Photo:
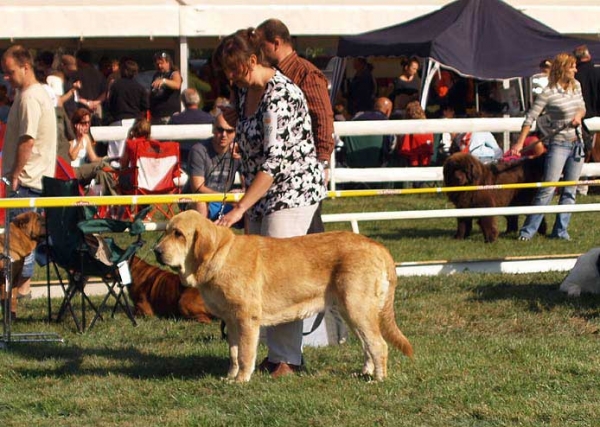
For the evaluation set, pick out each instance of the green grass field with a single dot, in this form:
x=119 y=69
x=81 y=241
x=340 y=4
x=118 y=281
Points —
x=490 y=350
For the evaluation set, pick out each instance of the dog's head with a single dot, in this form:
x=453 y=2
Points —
x=189 y=241
x=26 y=231
x=32 y=224
x=462 y=169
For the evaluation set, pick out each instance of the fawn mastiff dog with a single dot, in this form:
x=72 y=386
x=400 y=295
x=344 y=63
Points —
x=251 y=281
x=26 y=231
x=158 y=292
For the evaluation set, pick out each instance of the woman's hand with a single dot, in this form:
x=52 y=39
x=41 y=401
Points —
x=515 y=150
x=232 y=217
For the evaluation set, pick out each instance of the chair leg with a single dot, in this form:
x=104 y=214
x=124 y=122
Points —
x=111 y=292
x=125 y=305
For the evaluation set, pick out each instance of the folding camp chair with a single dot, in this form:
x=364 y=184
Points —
x=154 y=169
x=365 y=151
x=75 y=245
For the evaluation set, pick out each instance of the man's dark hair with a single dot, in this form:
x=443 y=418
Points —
x=45 y=58
x=84 y=55
x=128 y=68
x=272 y=28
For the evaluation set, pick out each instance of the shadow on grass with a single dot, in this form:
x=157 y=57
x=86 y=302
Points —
x=414 y=233
x=128 y=361
x=539 y=298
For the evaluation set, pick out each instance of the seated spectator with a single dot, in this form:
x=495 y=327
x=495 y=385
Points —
x=382 y=109
x=107 y=178
x=482 y=145
x=340 y=114
x=415 y=149
x=212 y=167
x=83 y=157
x=191 y=115
x=532 y=148
x=443 y=141
x=219 y=102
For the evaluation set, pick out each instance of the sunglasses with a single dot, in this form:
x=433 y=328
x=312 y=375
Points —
x=219 y=129
x=85 y=123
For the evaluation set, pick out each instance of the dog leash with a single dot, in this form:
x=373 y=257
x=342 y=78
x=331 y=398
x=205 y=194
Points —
x=545 y=138
x=227 y=182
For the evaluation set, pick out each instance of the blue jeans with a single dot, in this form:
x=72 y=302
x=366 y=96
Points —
x=24 y=192
x=566 y=159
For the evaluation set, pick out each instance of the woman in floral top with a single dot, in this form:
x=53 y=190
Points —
x=273 y=131
x=283 y=177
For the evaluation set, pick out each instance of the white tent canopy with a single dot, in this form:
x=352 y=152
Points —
x=30 y=19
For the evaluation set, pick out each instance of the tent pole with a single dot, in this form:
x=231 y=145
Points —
x=432 y=67
x=183 y=62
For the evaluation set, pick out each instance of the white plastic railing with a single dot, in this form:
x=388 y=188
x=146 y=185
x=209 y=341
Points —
x=346 y=175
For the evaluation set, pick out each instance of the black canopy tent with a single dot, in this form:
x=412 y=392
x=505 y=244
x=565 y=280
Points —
x=483 y=39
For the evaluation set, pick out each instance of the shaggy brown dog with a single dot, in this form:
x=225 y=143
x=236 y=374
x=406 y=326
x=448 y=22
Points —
x=251 y=281
x=158 y=292
x=463 y=169
x=26 y=231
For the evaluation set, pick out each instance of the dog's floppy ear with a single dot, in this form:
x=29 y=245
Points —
x=25 y=222
x=203 y=242
x=472 y=175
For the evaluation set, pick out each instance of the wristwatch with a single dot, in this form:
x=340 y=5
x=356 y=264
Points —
x=324 y=163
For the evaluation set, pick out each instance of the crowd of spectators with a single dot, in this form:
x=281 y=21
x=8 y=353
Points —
x=113 y=95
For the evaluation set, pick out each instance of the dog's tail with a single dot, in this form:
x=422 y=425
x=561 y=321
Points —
x=387 y=322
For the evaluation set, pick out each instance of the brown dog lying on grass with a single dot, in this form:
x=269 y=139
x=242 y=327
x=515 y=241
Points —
x=463 y=169
x=158 y=292
x=26 y=231
x=251 y=281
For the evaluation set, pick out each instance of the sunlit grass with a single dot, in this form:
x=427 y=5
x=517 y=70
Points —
x=490 y=350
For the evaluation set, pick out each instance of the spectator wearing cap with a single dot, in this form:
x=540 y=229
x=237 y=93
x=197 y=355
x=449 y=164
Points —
x=166 y=84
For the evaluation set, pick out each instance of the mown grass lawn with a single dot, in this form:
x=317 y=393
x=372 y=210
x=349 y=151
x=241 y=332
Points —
x=490 y=350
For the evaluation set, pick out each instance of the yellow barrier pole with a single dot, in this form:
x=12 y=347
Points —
x=52 y=202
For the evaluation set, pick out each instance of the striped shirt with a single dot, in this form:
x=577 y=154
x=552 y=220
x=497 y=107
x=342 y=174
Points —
x=561 y=106
x=314 y=85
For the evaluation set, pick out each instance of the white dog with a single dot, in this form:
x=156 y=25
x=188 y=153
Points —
x=585 y=276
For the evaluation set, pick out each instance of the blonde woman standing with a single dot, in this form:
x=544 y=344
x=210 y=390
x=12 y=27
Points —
x=563 y=101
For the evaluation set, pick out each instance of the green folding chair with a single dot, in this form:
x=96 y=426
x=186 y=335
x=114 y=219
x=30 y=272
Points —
x=78 y=250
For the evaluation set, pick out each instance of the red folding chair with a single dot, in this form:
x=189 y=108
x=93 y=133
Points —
x=153 y=169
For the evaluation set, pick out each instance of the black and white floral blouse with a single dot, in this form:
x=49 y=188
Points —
x=278 y=140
